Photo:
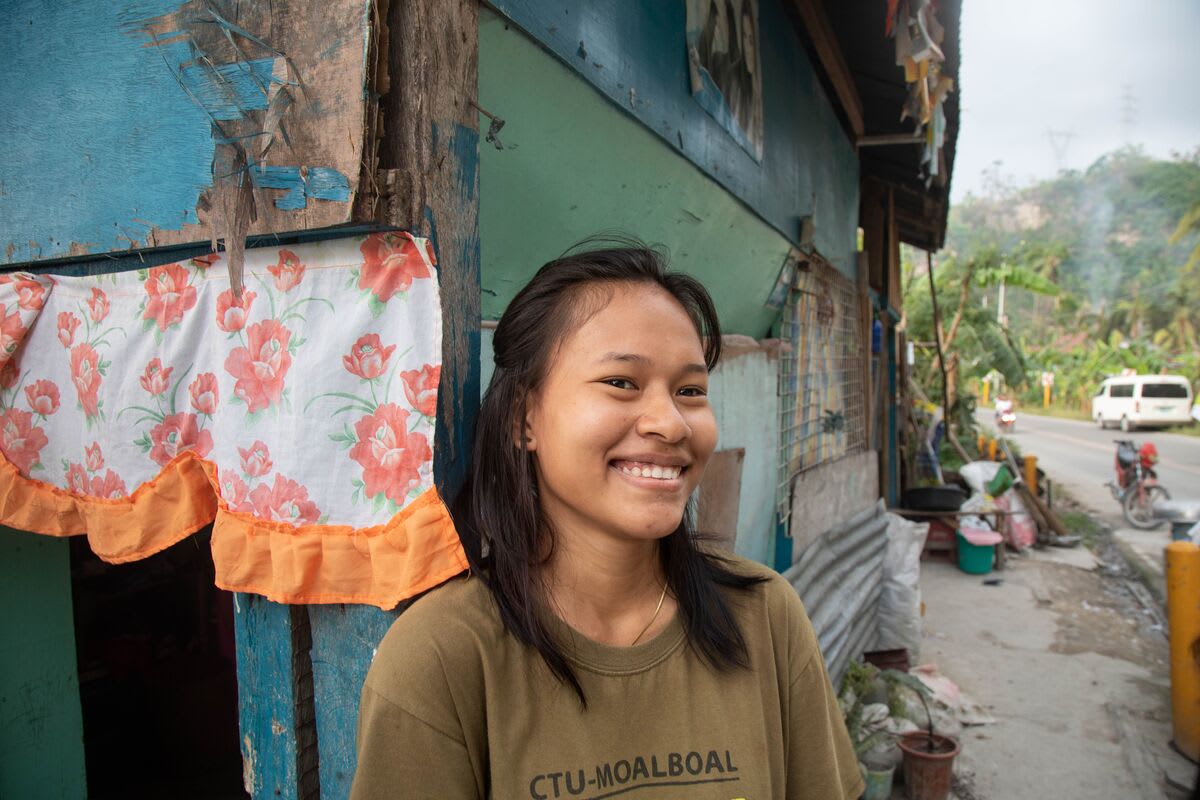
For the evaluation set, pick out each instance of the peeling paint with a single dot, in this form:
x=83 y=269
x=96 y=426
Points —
x=301 y=183
x=277 y=727
x=249 y=778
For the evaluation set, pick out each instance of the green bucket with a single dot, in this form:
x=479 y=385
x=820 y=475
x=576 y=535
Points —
x=972 y=558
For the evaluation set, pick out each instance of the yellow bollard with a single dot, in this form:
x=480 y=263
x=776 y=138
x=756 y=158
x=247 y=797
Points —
x=1030 y=466
x=980 y=444
x=985 y=393
x=1183 y=623
x=992 y=447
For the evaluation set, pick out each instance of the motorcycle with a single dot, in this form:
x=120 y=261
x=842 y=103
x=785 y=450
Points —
x=1136 y=487
x=1006 y=420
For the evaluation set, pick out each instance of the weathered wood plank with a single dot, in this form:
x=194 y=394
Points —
x=163 y=122
x=266 y=697
x=429 y=164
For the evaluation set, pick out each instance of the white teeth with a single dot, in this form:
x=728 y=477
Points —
x=653 y=471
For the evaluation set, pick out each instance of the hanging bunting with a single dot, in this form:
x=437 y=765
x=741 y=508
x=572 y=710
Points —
x=298 y=417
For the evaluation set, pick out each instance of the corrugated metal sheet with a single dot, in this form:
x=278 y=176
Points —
x=839 y=577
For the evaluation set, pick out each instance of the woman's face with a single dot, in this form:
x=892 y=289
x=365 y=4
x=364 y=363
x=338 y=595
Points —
x=621 y=428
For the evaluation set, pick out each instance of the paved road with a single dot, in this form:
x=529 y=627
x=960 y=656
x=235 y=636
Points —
x=1079 y=457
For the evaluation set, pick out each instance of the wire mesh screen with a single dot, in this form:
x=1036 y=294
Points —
x=822 y=405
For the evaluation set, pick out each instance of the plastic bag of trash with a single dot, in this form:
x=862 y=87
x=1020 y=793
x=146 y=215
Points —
x=977 y=474
x=1022 y=530
x=900 y=596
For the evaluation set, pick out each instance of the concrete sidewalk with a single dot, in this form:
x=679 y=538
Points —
x=1072 y=665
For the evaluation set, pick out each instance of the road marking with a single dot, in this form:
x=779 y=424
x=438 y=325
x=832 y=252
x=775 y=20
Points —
x=1166 y=462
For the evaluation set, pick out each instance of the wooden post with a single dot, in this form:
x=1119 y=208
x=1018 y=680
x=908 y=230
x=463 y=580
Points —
x=429 y=164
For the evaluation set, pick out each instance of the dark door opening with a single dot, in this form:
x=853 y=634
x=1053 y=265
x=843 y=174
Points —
x=157 y=675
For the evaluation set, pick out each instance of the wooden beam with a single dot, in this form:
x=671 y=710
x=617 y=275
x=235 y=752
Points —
x=429 y=173
x=820 y=31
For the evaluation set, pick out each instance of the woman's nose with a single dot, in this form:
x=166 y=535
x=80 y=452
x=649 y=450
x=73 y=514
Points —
x=661 y=417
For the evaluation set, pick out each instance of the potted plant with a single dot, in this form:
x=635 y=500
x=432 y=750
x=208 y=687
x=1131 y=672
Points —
x=928 y=757
x=871 y=701
x=864 y=696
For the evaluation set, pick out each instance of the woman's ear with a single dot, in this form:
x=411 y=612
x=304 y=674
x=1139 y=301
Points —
x=522 y=432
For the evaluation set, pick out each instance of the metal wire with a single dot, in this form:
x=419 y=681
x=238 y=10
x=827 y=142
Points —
x=822 y=402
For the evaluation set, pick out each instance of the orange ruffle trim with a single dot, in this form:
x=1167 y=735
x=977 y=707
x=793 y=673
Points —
x=415 y=550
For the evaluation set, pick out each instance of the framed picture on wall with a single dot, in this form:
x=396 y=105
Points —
x=726 y=73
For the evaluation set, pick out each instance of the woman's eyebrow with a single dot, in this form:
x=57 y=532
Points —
x=634 y=358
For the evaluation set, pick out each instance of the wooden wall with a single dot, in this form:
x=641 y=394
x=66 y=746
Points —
x=154 y=123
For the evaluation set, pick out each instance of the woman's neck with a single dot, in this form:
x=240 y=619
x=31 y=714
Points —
x=608 y=590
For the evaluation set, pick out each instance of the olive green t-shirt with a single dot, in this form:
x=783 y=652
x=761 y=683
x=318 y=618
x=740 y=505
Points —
x=455 y=707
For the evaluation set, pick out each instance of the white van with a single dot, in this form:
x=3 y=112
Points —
x=1143 y=401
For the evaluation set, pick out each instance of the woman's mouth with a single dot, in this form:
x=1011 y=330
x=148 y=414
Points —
x=642 y=469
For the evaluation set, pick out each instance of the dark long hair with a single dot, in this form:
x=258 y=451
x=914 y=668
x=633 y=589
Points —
x=506 y=536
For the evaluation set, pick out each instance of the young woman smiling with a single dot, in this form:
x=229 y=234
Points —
x=597 y=648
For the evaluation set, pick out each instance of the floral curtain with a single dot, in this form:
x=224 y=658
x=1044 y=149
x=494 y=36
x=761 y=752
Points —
x=138 y=407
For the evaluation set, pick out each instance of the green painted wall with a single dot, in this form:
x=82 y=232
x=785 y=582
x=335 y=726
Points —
x=574 y=165
x=41 y=727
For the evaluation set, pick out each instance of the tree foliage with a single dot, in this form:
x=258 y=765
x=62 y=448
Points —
x=1099 y=273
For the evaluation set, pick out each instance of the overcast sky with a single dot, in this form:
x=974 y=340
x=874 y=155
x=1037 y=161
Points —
x=1034 y=66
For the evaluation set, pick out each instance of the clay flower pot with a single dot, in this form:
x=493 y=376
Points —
x=927 y=770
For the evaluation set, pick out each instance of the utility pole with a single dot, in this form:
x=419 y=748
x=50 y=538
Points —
x=1000 y=305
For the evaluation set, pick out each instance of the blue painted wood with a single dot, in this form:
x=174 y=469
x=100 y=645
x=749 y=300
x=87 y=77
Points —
x=344 y=642
x=113 y=113
x=635 y=54
x=92 y=116
x=266 y=698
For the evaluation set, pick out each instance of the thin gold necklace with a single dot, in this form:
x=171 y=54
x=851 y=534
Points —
x=657 y=609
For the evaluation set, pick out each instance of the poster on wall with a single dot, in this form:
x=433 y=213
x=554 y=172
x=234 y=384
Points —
x=726 y=74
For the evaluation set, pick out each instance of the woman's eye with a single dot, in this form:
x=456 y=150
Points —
x=619 y=383
x=693 y=391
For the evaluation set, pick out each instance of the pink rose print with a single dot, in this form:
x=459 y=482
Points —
x=368 y=357
x=30 y=294
x=94 y=457
x=390 y=263
x=286 y=501
x=168 y=295
x=77 y=479
x=110 y=486
x=43 y=397
x=155 y=379
x=261 y=366
x=21 y=441
x=235 y=492
x=98 y=306
x=67 y=323
x=287 y=272
x=421 y=388
x=85 y=374
x=256 y=461
x=204 y=393
x=231 y=312
x=390 y=456
x=176 y=433
x=11 y=332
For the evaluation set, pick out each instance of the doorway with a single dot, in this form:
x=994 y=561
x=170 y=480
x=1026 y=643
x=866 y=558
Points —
x=157 y=674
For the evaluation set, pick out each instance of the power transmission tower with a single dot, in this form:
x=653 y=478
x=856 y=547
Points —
x=1060 y=143
x=1128 y=113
